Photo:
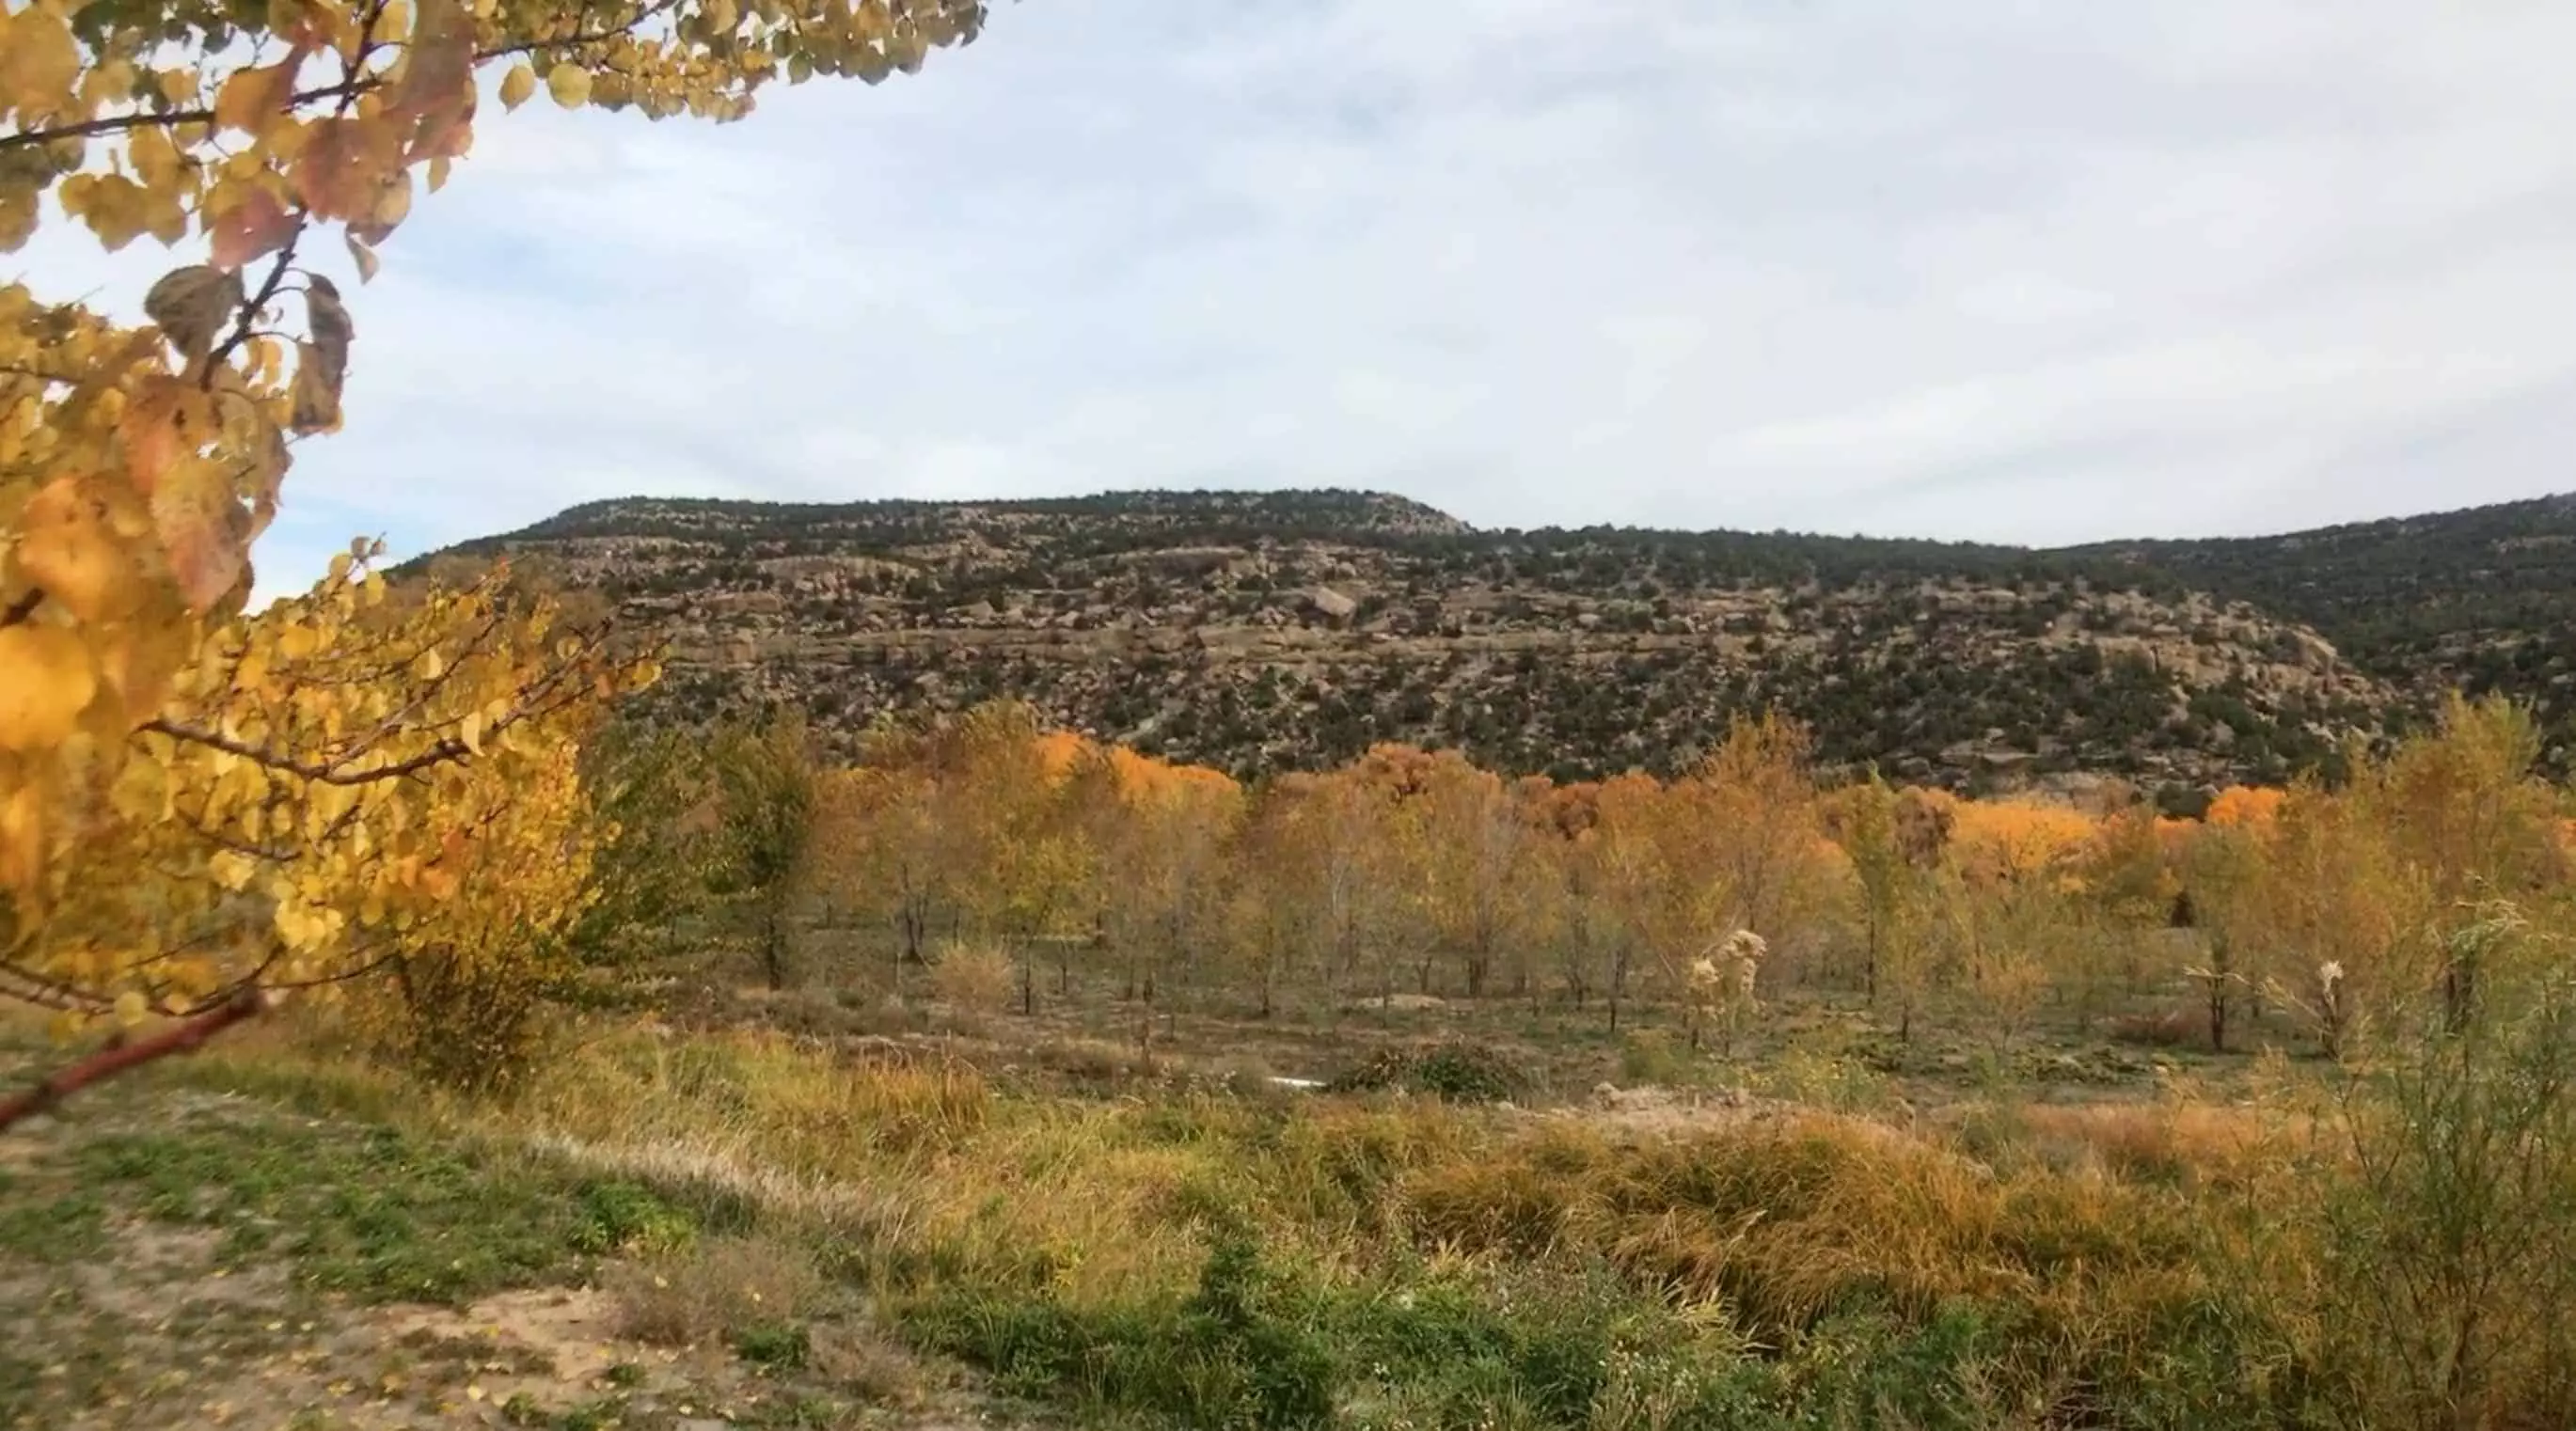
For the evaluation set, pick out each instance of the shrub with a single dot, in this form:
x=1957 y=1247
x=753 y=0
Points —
x=2451 y=1242
x=1648 y=1056
x=476 y=1024
x=1233 y=1354
x=976 y=976
x=1455 y=1072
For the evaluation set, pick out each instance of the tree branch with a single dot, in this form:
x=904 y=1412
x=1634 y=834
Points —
x=582 y=37
x=347 y=90
x=445 y=750
x=118 y=1057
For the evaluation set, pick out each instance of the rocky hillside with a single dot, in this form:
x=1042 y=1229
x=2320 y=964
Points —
x=1259 y=631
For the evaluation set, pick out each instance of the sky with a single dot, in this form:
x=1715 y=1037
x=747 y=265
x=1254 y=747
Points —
x=2034 y=272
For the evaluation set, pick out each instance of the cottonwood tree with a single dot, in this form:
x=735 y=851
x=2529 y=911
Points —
x=1476 y=838
x=763 y=777
x=1163 y=834
x=2466 y=811
x=138 y=461
x=1892 y=884
x=332 y=789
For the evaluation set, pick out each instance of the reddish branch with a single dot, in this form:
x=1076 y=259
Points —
x=182 y=1037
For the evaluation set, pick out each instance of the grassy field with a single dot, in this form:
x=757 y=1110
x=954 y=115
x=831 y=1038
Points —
x=813 y=1210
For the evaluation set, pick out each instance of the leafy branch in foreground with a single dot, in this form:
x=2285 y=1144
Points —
x=165 y=843
x=354 y=780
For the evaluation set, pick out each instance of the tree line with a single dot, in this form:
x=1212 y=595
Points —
x=1410 y=873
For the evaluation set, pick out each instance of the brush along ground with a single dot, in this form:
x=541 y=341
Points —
x=1178 y=1255
x=172 y=1256
x=743 y=1227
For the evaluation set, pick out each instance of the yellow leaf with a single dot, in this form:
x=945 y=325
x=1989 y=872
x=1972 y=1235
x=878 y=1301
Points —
x=252 y=99
x=116 y=208
x=204 y=529
x=343 y=164
x=131 y=1009
x=518 y=86
x=471 y=731
x=39 y=62
x=22 y=837
x=569 y=83
x=18 y=214
x=363 y=256
x=46 y=680
x=154 y=159
x=65 y=546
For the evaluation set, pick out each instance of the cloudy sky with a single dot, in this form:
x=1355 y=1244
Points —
x=2021 y=271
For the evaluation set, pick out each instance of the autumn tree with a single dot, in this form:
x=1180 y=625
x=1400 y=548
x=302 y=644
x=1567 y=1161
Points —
x=139 y=461
x=883 y=847
x=1890 y=875
x=1269 y=922
x=1563 y=886
x=1756 y=797
x=2222 y=875
x=1476 y=842
x=1650 y=906
x=1025 y=866
x=649 y=808
x=2331 y=918
x=352 y=782
x=1345 y=862
x=1163 y=834
x=763 y=777
x=2467 y=812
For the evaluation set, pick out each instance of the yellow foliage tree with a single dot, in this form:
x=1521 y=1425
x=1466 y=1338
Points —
x=1993 y=841
x=1890 y=876
x=139 y=462
x=348 y=783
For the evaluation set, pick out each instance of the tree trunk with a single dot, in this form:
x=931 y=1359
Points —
x=773 y=944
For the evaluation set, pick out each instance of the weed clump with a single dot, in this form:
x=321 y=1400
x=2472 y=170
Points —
x=751 y=1291
x=1236 y=1353
x=1453 y=1072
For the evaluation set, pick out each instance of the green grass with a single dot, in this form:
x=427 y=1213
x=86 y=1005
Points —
x=376 y=1212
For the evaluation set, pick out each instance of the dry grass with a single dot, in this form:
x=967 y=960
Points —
x=860 y=1360
x=973 y=976
x=712 y=1291
x=2162 y=1028
x=1787 y=1218
x=923 y=1181
x=2163 y=1141
x=1091 y=1060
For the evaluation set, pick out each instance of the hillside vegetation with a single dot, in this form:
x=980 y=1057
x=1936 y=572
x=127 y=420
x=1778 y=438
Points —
x=1265 y=631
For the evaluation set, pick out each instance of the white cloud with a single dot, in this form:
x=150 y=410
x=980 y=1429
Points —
x=1979 y=268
